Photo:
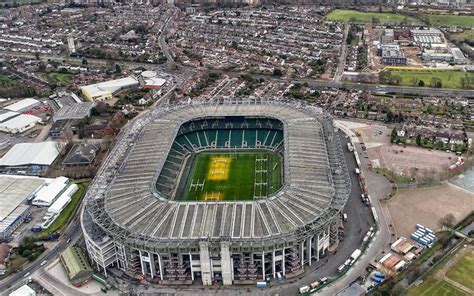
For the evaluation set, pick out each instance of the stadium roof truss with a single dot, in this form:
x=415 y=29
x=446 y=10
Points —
x=124 y=202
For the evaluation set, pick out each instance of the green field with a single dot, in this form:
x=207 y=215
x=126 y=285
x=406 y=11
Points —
x=233 y=176
x=465 y=36
x=434 y=287
x=449 y=78
x=463 y=271
x=346 y=15
x=464 y=21
x=61 y=78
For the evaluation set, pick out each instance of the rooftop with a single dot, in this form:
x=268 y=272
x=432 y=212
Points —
x=42 y=153
x=22 y=105
x=14 y=190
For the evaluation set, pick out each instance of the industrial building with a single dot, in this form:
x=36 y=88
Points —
x=30 y=158
x=105 y=90
x=77 y=268
x=391 y=54
x=23 y=105
x=19 y=123
x=133 y=221
x=49 y=193
x=15 y=192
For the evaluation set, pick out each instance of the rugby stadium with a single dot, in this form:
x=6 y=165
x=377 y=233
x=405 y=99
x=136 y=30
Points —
x=231 y=191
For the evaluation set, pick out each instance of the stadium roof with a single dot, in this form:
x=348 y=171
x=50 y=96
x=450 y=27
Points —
x=43 y=153
x=14 y=190
x=315 y=189
x=22 y=105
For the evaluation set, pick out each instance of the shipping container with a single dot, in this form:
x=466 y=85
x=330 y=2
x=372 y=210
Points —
x=261 y=285
x=418 y=226
x=414 y=237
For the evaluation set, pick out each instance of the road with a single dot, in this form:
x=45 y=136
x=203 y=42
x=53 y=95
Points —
x=73 y=231
x=378 y=187
x=162 y=39
x=342 y=59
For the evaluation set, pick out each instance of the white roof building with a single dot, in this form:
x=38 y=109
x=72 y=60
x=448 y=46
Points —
x=105 y=90
x=22 y=154
x=48 y=194
x=19 y=123
x=23 y=291
x=63 y=200
x=7 y=115
x=22 y=105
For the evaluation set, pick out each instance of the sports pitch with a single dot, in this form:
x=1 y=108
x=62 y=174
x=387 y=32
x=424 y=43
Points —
x=220 y=176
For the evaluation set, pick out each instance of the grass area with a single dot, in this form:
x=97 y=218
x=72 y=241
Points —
x=467 y=35
x=61 y=78
x=69 y=210
x=399 y=179
x=463 y=271
x=16 y=261
x=345 y=15
x=449 y=78
x=434 y=287
x=236 y=176
x=465 y=21
x=5 y=78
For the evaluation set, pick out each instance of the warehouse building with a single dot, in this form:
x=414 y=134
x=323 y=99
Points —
x=50 y=192
x=15 y=192
x=19 y=123
x=23 y=105
x=105 y=90
x=30 y=158
x=77 y=268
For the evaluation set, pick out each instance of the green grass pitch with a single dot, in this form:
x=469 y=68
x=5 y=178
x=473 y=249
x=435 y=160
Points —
x=220 y=176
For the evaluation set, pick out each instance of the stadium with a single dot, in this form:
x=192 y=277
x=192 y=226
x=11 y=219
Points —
x=230 y=191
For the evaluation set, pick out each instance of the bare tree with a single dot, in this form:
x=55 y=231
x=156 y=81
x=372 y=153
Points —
x=447 y=221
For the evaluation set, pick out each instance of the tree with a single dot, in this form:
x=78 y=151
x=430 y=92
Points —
x=436 y=82
x=398 y=290
x=118 y=69
x=414 y=81
x=421 y=83
x=394 y=135
x=277 y=72
x=447 y=221
x=418 y=140
x=85 y=62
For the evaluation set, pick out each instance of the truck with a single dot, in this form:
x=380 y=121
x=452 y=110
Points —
x=350 y=148
x=279 y=277
x=341 y=268
x=344 y=217
x=356 y=156
x=304 y=289
x=356 y=254
x=261 y=285
x=357 y=171
x=323 y=280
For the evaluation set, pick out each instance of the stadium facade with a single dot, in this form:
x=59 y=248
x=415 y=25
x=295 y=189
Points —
x=134 y=221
